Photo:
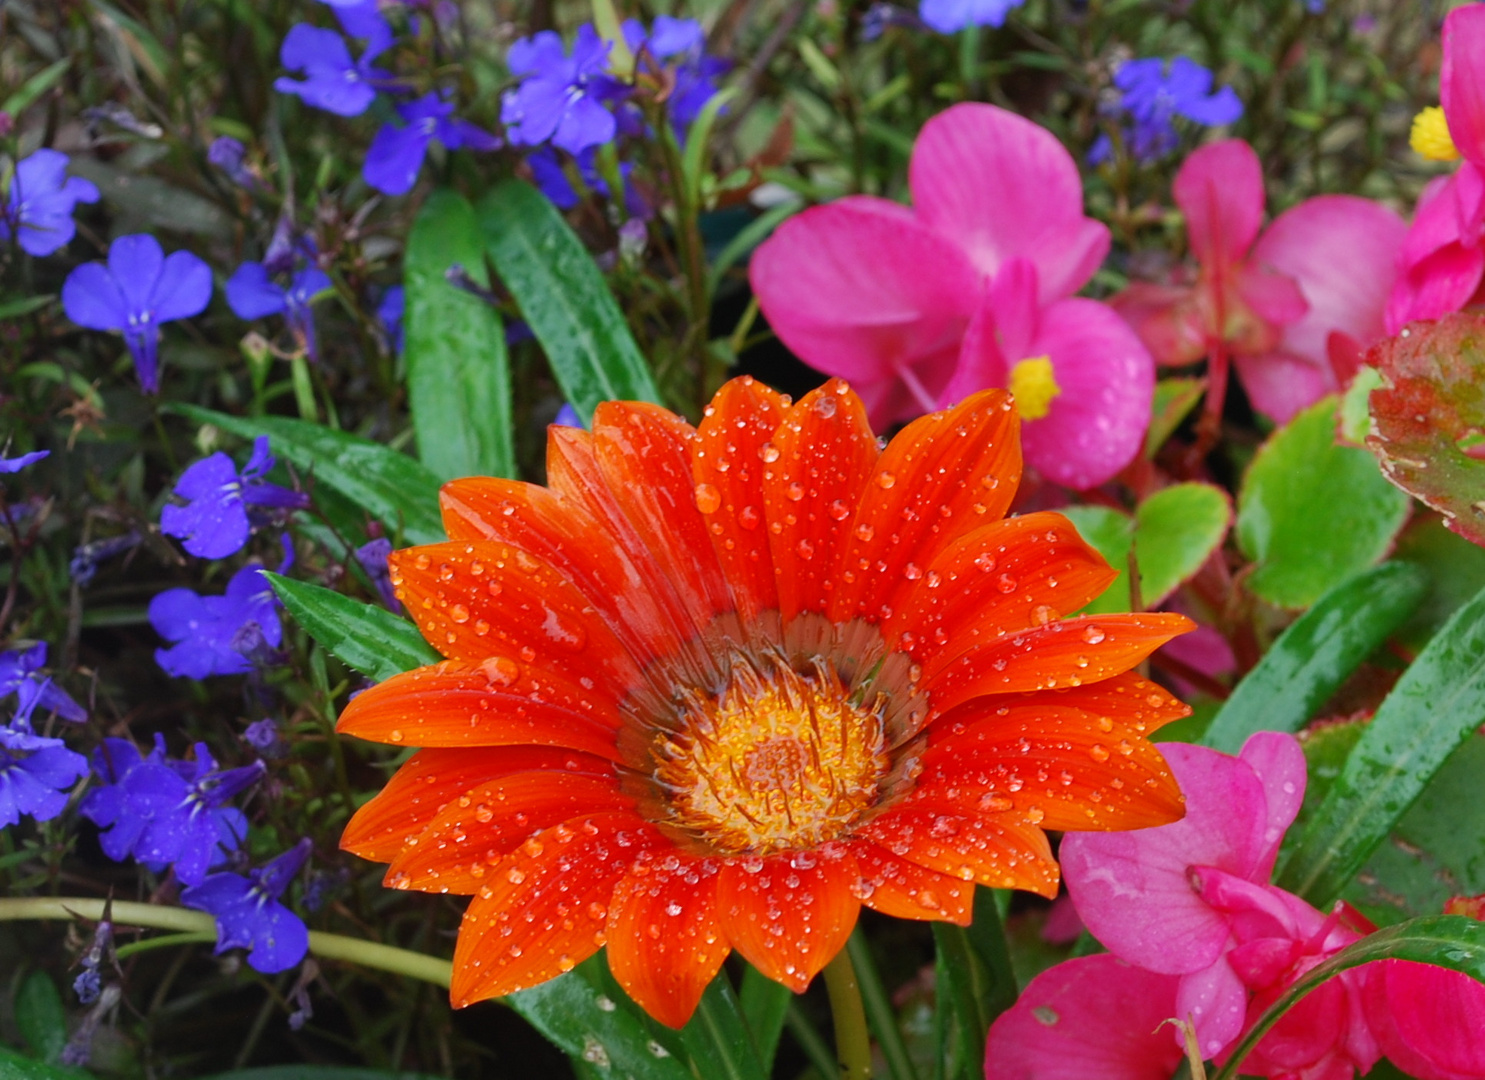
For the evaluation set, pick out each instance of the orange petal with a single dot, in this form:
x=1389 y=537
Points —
x=561 y=533
x=993 y=850
x=467 y=838
x=665 y=941
x=943 y=474
x=1127 y=701
x=497 y=703
x=825 y=453
x=476 y=598
x=545 y=913
x=1066 y=652
x=906 y=890
x=1006 y=576
x=432 y=779
x=789 y=914
x=727 y=465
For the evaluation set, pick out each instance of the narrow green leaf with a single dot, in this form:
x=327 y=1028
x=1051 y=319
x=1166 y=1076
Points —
x=564 y=298
x=717 y=1037
x=879 y=1012
x=765 y=1004
x=14 y=309
x=1447 y=941
x=40 y=1016
x=1318 y=652
x=980 y=982
x=35 y=86
x=315 y=1072
x=1433 y=708
x=458 y=377
x=749 y=237
x=370 y=639
x=693 y=164
x=393 y=488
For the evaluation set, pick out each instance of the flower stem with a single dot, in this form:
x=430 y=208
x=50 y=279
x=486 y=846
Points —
x=330 y=946
x=852 y=1042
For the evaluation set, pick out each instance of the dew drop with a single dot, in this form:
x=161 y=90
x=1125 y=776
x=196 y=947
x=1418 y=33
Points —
x=912 y=571
x=769 y=452
x=1099 y=752
x=824 y=406
x=795 y=491
x=501 y=670
x=864 y=532
x=805 y=550
x=886 y=480
x=840 y=510
x=748 y=517
x=459 y=613
x=422 y=562
x=1043 y=614
x=985 y=562
x=708 y=498
x=1092 y=635
x=1006 y=584
x=1035 y=814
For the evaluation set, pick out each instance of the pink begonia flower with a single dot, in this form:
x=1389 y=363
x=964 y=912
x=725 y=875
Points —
x=1428 y=1020
x=966 y=289
x=1442 y=260
x=1093 y=1017
x=1292 y=309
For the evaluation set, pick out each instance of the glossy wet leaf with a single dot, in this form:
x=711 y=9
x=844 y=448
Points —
x=1448 y=941
x=1173 y=402
x=14 y=1066
x=976 y=981
x=390 y=486
x=40 y=1016
x=458 y=376
x=1435 y=706
x=717 y=1039
x=370 y=639
x=1311 y=512
x=764 y=1004
x=1434 y=397
x=1316 y=653
x=1455 y=569
x=564 y=298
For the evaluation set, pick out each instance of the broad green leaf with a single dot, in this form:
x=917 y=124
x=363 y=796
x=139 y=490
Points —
x=1434 y=397
x=764 y=1003
x=1318 y=652
x=1174 y=400
x=1433 y=708
x=370 y=639
x=1455 y=568
x=1172 y=532
x=1355 y=416
x=458 y=378
x=15 y=1067
x=1311 y=513
x=977 y=983
x=40 y=1016
x=1447 y=941
x=564 y=298
x=392 y=487
x=717 y=1038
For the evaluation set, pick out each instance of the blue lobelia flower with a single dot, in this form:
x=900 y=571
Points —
x=332 y=80
x=680 y=45
x=249 y=914
x=253 y=294
x=230 y=155
x=217 y=635
x=373 y=556
x=1152 y=97
x=34 y=770
x=38 y=211
x=396 y=153
x=561 y=99
x=390 y=310
x=20 y=674
x=162 y=811
x=20 y=461
x=951 y=16
x=139 y=289
x=215 y=521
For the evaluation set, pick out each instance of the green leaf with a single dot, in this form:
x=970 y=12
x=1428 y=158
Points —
x=392 y=487
x=15 y=1067
x=977 y=981
x=1311 y=513
x=14 y=309
x=1318 y=652
x=1447 y=941
x=458 y=377
x=35 y=86
x=1174 y=400
x=370 y=639
x=693 y=164
x=764 y=1003
x=40 y=1016
x=315 y=1072
x=564 y=298
x=1433 y=708
x=1455 y=568
x=717 y=1038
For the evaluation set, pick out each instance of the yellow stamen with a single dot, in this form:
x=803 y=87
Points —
x=1430 y=137
x=1034 y=387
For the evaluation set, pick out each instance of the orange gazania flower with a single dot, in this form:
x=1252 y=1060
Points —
x=716 y=688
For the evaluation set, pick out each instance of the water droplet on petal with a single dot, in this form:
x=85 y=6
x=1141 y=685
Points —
x=708 y=498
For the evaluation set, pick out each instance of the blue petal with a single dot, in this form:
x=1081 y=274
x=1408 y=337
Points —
x=252 y=295
x=92 y=298
x=183 y=288
x=395 y=156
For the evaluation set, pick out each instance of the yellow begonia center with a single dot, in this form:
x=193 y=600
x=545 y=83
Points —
x=1034 y=387
x=777 y=761
x=1430 y=136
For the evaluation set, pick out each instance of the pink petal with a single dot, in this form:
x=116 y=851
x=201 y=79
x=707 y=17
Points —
x=1095 y=1016
x=1273 y=297
x=1441 y=265
x=1280 y=384
x=859 y=289
x=1427 y=1019
x=1279 y=763
x=1343 y=253
x=1216 y=1002
x=1220 y=188
x=1167 y=319
x=1460 y=88
x=1134 y=891
x=1005 y=323
x=998 y=186
x=1097 y=423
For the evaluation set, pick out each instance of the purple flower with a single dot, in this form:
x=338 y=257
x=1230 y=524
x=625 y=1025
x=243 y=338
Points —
x=139 y=289
x=567 y=416
x=363 y=19
x=372 y=556
x=86 y=557
x=1152 y=98
x=396 y=154
x=252 y=294
x=215 y=521
x=881 y=16
x=249 y=915
x=42 y=198
x=162 y=811
x=89 y=982
x=332 y=80
x=561 y=99
x=20 y=461
x=206 y=629
x=20 y=675
x=34 y=770
x=679 y=44
x=951 y=16
x=390 y=311
x=555 y=183
x=263 y=736
x=230 y=155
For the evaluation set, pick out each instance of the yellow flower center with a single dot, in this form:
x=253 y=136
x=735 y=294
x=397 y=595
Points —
x=1430 y=136
x=1033 y=387
x=777 y=761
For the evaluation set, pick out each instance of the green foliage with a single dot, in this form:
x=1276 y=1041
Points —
x=370 y=639
x=40 y=1017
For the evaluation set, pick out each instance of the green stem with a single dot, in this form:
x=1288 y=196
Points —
x=852 y=1042
x=166 y=941
x=330 y=946
x=809 y=1039
x=879 y=1010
